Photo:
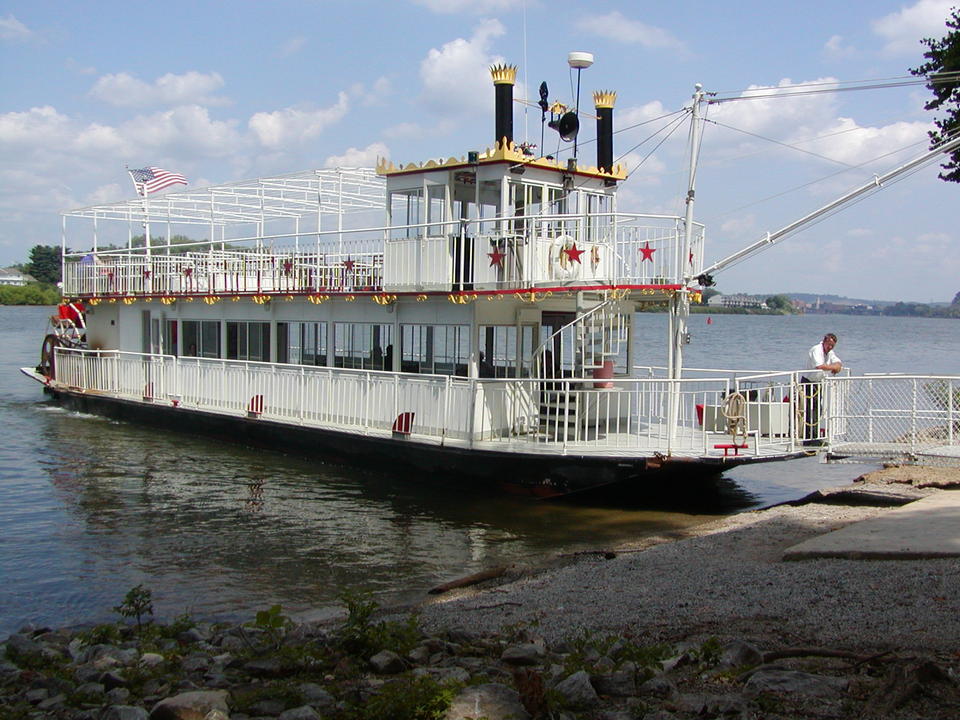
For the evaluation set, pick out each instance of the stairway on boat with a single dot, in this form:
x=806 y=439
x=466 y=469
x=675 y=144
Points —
x=586 y=348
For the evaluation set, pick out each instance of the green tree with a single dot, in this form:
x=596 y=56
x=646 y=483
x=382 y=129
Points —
x=44 y=264
x=956 y=299
x=942 y=71
x=780 y=302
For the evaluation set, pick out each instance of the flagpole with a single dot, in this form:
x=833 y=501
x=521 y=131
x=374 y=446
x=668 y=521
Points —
x=141 y=190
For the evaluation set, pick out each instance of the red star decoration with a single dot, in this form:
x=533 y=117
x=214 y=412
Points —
x=348 y=264
x=647 y=252
x=574 y=254
x=496 y=257
x=690 y=259
x=287 y=266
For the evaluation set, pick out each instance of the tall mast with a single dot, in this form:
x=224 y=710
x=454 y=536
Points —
x=680 y=304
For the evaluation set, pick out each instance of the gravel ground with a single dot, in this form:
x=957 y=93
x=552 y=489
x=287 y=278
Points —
x=728 y=581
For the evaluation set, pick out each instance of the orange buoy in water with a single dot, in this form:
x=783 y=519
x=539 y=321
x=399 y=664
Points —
x=709 y=321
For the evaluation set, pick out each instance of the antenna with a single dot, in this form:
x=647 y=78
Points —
x=578 y=60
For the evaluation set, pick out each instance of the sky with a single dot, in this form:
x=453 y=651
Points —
x=226 y=91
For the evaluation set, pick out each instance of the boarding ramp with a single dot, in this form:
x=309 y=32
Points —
x=904 y=419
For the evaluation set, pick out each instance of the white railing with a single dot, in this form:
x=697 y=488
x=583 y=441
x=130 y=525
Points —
x=626 y=415
x=565 y=250
x=894 y=415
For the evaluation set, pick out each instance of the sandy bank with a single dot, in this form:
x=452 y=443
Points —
x=728 y=580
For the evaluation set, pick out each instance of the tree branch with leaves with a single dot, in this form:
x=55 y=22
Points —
x=942 y=71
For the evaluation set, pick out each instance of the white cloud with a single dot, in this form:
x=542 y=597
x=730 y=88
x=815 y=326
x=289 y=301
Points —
x=183 y=131
x=294 y=125
x=125 y=90
x=614 y=26
x=375 y=94
x=293 y=46
x=477 y=7
x=903 y=30
x=357 y=157
x=456 y=80
x=836 y=48
x=37 y=127
x=13 y=29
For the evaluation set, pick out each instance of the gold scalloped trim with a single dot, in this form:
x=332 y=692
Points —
x=503 y=74
x=604 y=98
x=502 y=151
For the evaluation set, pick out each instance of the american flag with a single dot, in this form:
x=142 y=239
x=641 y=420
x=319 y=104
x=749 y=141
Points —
x=149 y=180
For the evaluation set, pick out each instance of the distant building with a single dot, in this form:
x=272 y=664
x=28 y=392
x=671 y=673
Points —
x=737 y=301
x=12 y=276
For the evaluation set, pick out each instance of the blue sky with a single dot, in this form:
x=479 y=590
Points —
x=225 y=91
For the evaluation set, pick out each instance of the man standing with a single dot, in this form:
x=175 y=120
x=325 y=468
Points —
x=820 y=360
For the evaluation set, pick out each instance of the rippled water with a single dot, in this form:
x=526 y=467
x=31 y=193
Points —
x=90 y=508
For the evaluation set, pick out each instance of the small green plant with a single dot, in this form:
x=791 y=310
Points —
x=708 y=654
x=136 y=603
x=361 y=636
x=273 y=622
x=409 y=699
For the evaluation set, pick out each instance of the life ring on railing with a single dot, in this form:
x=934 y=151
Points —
x=561 y=266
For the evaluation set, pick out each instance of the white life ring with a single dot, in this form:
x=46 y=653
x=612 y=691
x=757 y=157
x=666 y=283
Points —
x=561 y=266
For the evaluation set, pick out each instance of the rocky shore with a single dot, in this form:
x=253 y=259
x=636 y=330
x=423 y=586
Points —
x=713 y=625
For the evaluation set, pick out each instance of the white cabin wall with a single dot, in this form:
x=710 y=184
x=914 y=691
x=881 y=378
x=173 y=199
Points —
x=103 y=327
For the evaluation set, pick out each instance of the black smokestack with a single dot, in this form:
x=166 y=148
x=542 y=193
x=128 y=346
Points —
x=504 y=76
x=604 y=100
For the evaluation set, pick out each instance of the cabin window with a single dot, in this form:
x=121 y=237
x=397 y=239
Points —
x=435 y=349
x=436 y=206
x=406 y=208
x=248 y=341
x=363 y=345
x=201 y=338
x=302 y=343
x=503 y=355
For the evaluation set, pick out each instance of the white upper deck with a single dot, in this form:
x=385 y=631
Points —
x=489 y=223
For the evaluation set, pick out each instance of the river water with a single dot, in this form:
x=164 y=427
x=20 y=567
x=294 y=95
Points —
x=89 y=507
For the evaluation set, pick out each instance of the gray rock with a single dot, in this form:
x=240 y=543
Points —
x=387 y=662
x=616 y=715
x=659 y=715
x=193 y=635
x=793 y=681
x=709 y=705
x=738 y=653
x=36 y=695
x=195 y=663
x=53 y=702
x=111 y=680
x=91 y=690
x=528 y=654
x=267 y=707
x=659 y=687
x=266 y=667
x=419 y=654
x=316 y=696
x=444 y=674
x=151 y=659
x=22 y=646
x=617 y=684
x=301 y=713
x=492 y=701
x=125 y=712
x=190 y=705
x=118 y=696
x=577 y=691
x=217 y=715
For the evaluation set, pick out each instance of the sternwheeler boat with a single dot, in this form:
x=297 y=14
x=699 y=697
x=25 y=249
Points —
x=467 y=320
